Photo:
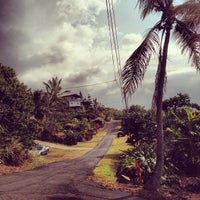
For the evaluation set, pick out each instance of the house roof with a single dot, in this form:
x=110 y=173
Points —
x=73 y=95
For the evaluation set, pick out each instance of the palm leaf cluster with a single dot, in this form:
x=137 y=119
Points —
x=183 y=20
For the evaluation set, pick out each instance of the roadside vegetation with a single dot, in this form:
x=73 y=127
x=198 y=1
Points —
x=26 y=116
x=62 y=153
x=130 y=162
x=182 y=23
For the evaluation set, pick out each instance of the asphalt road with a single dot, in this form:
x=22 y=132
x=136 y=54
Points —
x=65 y=180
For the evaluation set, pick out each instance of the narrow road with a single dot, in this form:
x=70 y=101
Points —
x=65 y=180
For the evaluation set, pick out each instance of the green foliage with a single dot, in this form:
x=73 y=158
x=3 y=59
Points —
x=99 y=122
x=39 y=102
x=138 y=163
x=13 y=152
x=53 y=103
x=138 y=124
x=183 y=141
x=51 y=112
x=71 y=138
x=181 y=100
x=15 y=111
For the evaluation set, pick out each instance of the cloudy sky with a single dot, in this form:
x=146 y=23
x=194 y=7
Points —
x=69 y=39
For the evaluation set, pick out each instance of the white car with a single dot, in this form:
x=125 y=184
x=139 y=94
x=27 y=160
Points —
x=40 y=150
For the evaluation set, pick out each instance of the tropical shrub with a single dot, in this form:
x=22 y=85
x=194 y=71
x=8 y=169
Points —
x=71 y=138
x=183 y=141
x=137 y=163
x=13 y=153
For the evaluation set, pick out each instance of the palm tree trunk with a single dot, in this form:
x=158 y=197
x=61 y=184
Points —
x=155 y=181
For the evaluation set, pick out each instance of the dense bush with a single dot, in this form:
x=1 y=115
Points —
x=71 y=138
x=182 y=147
x=182 y=139
x=139 y=125
x=137 y=164
x=16 y=109
x=13 y=153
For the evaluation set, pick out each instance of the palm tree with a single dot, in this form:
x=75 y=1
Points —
x=184 y=21
x=53 y=99
x=53 y=90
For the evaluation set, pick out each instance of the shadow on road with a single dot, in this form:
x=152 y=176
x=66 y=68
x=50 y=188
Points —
x=64 y=198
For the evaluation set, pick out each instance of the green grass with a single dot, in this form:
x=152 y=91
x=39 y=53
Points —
x=106 y=169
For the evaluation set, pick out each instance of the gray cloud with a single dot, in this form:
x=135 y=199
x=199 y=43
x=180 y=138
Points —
x=10 y=12
x=10 y=35
x=53 y=56
x=83 y=76
x=69 y=39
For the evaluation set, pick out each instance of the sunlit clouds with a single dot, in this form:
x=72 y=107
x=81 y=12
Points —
x=70 y=39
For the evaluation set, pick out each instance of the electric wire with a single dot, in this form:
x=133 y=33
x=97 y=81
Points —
x=89 y=85
x=116 y=41
x=114 y=45
x=110 y=37
x=112 y=33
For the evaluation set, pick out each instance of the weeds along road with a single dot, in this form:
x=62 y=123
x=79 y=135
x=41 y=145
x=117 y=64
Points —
x=66 y=180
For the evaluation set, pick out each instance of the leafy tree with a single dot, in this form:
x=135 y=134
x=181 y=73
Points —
x=139 y=125
x=181 y=100
x=184 y=21
x=17 y=129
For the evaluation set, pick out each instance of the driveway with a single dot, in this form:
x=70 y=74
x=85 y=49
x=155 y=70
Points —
x=65 y=180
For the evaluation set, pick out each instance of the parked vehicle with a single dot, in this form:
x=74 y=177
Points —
x=40 y=150
x=121 y=134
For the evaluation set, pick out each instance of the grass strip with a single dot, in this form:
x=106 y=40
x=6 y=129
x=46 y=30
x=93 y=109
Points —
x=105 y=172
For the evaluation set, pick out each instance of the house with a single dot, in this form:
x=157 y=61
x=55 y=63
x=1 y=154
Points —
x=74 y=101
x=77 y=102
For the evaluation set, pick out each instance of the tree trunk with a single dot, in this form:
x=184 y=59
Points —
x=155 y=180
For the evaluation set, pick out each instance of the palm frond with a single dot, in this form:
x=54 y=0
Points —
x=135 y=67
x=189 y=42
x=188 y=13
x=47 y=86
x=149 y=6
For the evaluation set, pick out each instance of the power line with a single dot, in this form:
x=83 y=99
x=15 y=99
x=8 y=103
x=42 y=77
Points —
x=113 y=38
x=114 y=44
x=89 y=85
x=109 y=19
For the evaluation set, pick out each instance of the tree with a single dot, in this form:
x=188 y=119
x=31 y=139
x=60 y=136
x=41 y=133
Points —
x=17 y=129
x=39 y=101
x=139 y=125
x=175 y=102
x=184 y=21
x=52 y=100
